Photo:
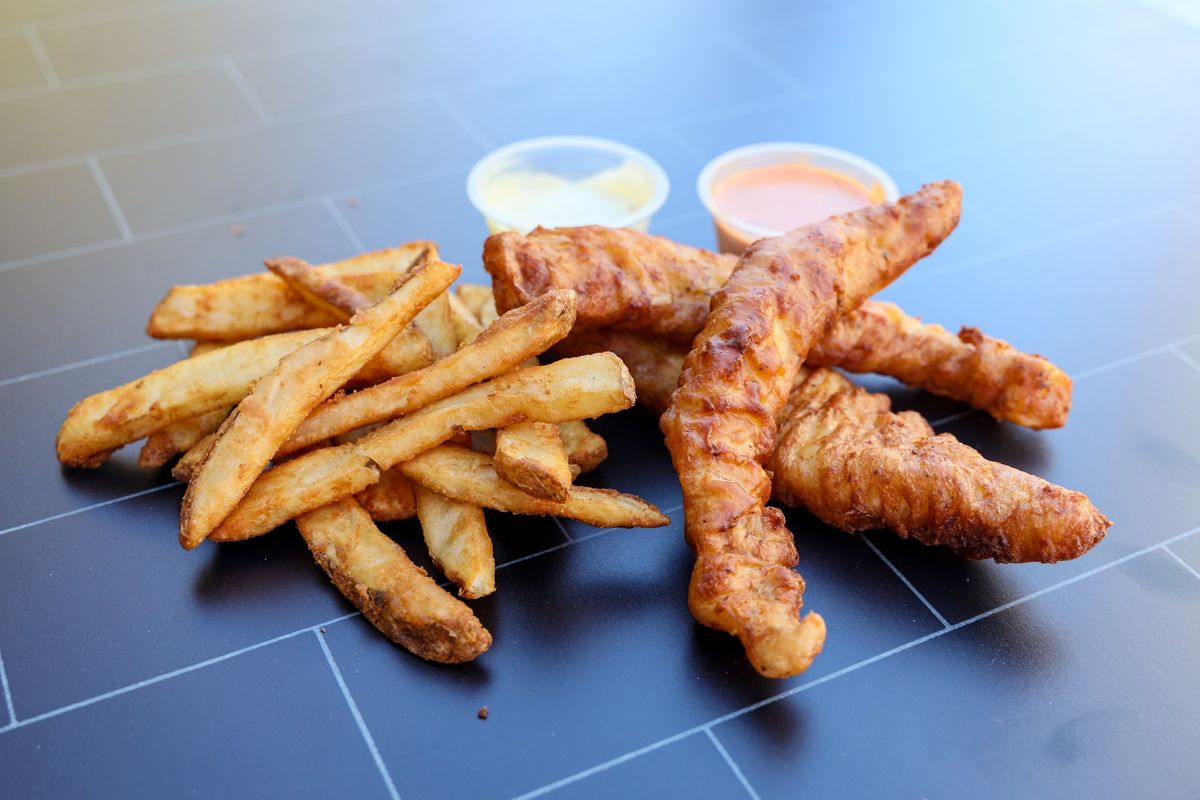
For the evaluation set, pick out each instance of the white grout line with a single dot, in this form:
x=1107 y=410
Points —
x=168 y=675
x=904 y=580
x=252 y=99
x=946 y=420
x=87 y=362
x=797 y=89
x=8 y=699
x=92 y=507
x=358 y=719
x=340 y=219
x=109 y=198
x=1184 y=357
x=563 y=529
x=843 y=671
x=38 y=48
x=1166 y=550
x=463 y=119
x=712 y=737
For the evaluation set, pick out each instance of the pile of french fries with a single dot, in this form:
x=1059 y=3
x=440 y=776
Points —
x=361 y=391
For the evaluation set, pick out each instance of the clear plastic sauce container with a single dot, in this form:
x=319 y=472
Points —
x=561 y=181
x=767 y=189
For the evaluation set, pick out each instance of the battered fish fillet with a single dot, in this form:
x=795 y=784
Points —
x=843 y=454
x=632 y=282
x=720 y=427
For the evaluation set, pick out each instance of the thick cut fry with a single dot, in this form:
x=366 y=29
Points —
x=569 y=389
x=398 y=598
x=654 y=363
x=463 y=474
x=474 y=295
x=390 y=499
x=846 y=457
x=530 y=456
x=409 y=351
x=436 y=322
x=185 y=467
x=488 y=313
x=336 y=297
x=99 y=424
x=720 y=426
x=585 y=448
x=466 y=324
x=279 y=402
x=457 y=537
x=261 y=304
x=520 y=334
x=179 y=437
x=631 y=282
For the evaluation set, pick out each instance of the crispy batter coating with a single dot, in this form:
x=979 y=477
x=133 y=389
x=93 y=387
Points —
x=989 y=374
x=720 y=426
x=625 y=280
x=633 y=282
x=846 y=456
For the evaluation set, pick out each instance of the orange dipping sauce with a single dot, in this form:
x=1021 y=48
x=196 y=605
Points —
x=774 y=198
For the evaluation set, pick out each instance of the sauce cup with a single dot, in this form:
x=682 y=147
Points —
x=826 y=164
x=560 y=181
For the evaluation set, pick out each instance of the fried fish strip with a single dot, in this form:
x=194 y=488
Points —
x=632 y=282
x=720 y=426
x=396 y=595
x=843 y=454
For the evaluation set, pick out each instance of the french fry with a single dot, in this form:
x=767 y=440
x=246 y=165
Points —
x=466 y=324
x=530 y=456
x=280 y=401
x=436 y=323
x=520 y=334
x=185 y=467
x=410 y=350
x=465 y=475
x=390 y=499
x=585 y=448
x=473 y=296
x=261 y=304
x=398 y=598
x=336 y=297
x=487 y=312
x=572 y=388
x=99 y=424
x=457 y=537
x=179 y=437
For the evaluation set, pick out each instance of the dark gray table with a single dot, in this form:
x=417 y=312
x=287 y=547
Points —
x=137 y=135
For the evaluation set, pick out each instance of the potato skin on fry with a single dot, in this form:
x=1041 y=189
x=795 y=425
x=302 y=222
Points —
x=398 y=598
x=568 y=389
x=261 y=304
x=522 y=333
x=466 y=475
x=248 y=439
x=457 y=537
x=530 y=455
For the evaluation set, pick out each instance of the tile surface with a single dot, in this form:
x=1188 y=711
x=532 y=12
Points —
x=34 y=301
x=265 y=723
x=1070 y=681
x=288 y=163
x=54 y=209
x=572 y=628
x=116 y=622
x=233 y=130
x=134 y=112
